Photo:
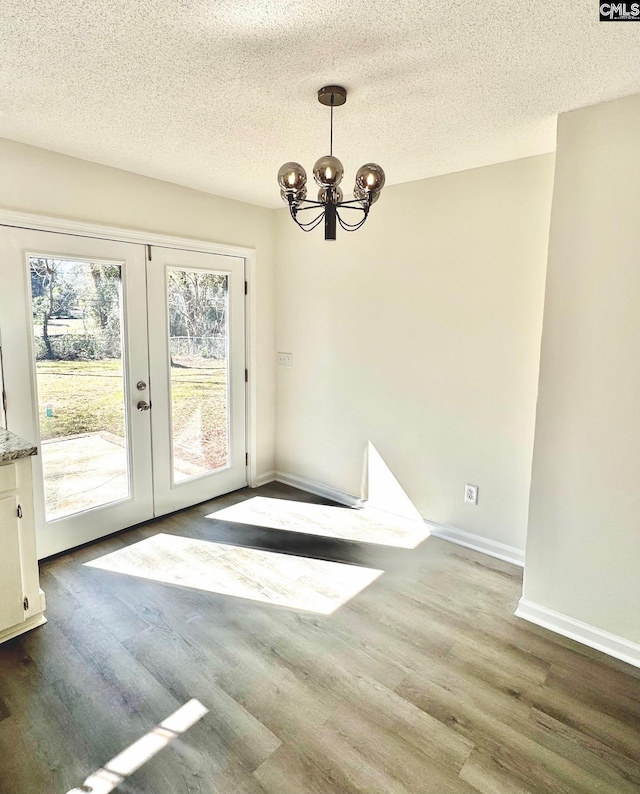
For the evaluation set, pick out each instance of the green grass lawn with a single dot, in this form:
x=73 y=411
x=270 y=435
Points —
x=199 y=414
x=87 y=397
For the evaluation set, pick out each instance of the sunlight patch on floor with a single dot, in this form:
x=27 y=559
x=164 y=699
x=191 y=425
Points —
x=115 y=772
x=270 y=577
x=369 y=525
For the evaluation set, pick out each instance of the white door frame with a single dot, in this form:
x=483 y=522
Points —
x=47 y=223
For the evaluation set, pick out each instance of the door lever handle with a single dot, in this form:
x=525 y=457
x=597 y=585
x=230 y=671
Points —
x=143 y=406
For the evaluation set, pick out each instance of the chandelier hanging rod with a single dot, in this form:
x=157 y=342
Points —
x=331 y=132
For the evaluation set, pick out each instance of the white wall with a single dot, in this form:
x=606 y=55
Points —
x=421 y=334
x=583 y=547
x=36 y=180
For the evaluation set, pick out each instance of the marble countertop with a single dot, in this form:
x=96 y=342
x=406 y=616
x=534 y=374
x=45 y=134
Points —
x=13 y=447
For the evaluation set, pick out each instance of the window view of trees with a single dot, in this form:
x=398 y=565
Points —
x=197 y=316
x=77 y=336
x=197 y=303
x=76 y=310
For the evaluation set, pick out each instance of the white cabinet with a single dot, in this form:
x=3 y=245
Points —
x=11 y=607
x=21 y=600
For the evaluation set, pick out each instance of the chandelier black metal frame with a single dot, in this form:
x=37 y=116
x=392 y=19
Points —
x=328 y=172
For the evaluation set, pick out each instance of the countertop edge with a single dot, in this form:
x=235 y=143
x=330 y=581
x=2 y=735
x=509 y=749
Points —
x=12 y=447
x=9 y=457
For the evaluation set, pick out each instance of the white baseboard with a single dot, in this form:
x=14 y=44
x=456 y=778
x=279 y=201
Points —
x=581 y=632
x=477 y=543
x=560 y=624
x=459 y=536
x=319 y=489
x=28 y=624
x=264 y=479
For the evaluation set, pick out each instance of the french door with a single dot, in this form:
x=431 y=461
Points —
x=125 y=363
x=197 y=364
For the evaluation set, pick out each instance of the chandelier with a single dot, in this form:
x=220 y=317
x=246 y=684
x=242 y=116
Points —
x=328 y=172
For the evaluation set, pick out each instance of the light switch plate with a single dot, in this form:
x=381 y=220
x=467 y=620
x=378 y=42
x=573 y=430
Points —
x=285 y=359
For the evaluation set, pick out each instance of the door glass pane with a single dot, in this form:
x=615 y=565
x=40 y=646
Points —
x=199 y=350
x=77 y=326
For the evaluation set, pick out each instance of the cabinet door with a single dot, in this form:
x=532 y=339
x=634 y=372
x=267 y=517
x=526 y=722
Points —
x=11 y=609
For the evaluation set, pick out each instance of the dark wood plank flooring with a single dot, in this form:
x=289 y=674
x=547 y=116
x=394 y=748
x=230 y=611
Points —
x=422 y=682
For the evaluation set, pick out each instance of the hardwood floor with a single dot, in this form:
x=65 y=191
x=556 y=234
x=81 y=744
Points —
x=419 y=680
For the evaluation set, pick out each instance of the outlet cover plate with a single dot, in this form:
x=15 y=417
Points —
x=471 y=494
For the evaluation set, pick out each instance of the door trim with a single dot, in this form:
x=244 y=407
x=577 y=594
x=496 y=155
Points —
x=51 y=223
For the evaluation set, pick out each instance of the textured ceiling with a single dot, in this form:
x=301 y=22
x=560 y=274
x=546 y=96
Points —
x=217 y=95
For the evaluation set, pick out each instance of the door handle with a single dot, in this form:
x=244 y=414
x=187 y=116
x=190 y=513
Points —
x=143 y=406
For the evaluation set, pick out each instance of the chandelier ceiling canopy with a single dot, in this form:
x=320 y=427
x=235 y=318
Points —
x=327 y=173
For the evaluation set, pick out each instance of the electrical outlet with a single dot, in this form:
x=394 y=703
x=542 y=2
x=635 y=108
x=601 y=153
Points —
x=285 y=359
x=471 y=494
